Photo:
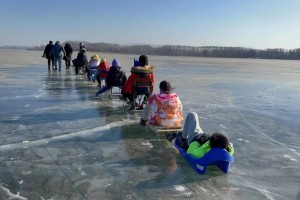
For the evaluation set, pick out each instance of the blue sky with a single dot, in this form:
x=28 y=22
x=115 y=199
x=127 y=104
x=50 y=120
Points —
x=247 y=23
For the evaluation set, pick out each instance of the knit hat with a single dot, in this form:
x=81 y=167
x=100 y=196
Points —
x=136 y=63
x=95 y=56
x=103 y=60
x=115 y=63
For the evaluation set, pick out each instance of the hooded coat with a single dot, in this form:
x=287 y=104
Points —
x=103 y=68
x=68 y=50
x=93 y=64
x=165 y=110
x=115 y=76
x=47 y=51
x=139 y=72
x=58 y=50
x=81 y=60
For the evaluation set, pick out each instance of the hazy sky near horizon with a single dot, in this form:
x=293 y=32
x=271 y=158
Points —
x=247 y=23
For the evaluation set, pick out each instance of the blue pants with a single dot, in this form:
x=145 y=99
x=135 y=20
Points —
x=105 y=88
x=57 y=59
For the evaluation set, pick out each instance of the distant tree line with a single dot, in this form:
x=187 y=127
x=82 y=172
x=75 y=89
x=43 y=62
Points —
x=177 y=50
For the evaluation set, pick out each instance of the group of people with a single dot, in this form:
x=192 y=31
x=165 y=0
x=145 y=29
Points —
x=163 y=109
x=114 y=76
x=55 y=53
x=106 y=76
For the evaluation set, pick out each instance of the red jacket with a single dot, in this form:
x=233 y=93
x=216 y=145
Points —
x=103 y=68
x=139 y=72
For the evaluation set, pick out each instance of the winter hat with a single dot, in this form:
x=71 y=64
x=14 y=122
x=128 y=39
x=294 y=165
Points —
x=103 y=60
x=115 y=63
x=143 y=60
x=95 y=56
x=136 y=63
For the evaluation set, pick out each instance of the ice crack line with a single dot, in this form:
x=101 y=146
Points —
x=288 y=147
x=84 y=133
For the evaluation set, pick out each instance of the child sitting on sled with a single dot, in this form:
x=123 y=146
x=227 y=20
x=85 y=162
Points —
x=143 y=70
x=92 y=66
x=195 y=141
x=101 y=73
x=164 y=109
x=115 y=77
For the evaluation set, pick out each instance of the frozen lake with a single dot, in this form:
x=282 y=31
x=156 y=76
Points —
x=59 y=141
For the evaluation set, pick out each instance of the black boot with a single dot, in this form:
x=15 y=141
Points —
x=170 y=136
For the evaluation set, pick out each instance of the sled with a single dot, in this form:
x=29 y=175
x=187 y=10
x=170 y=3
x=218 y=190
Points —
x=165 y=129
x=216 y=156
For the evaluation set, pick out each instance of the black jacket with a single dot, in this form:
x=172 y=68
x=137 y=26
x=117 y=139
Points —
x=115 y=77
x=81 y=60
x=68 y=50
x=47 y=51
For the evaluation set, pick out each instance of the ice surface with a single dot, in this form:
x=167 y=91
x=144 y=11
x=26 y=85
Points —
x=59 y=141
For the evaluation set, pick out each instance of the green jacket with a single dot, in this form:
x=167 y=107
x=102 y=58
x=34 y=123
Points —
x=198 y=151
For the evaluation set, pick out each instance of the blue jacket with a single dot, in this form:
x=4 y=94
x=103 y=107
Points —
x=58 y=50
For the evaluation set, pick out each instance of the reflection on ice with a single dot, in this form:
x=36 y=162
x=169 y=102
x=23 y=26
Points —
x=59 y=141
x=289 y=157
x=183 y=190
x=147 y=143
x=241 y=139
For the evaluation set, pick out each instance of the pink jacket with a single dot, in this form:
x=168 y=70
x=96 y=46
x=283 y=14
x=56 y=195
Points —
x=165 y=110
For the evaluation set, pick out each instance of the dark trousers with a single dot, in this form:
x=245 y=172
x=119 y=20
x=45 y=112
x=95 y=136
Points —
x=99 y=81
x=68 y=61
x=68 y=64
x=87 y=71
x=77 y=69
x=50 y=61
